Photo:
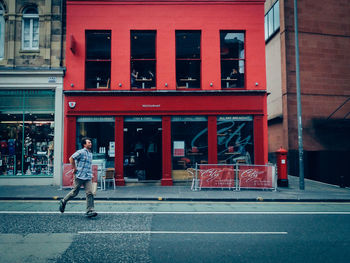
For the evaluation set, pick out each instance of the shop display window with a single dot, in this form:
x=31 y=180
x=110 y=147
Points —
x=101 y=131
x=189 y=140
x=235 y=139
x=143 y=59
x=232 y=59
x=26 y=133
x=98 y=59
x=188 y=59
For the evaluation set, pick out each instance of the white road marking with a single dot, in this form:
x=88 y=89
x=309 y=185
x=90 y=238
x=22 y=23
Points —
x=183 y=232
x=190 y=212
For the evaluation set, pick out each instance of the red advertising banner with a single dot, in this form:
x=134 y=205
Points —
x=216 y=176
x=67 y=177
x=252 y=176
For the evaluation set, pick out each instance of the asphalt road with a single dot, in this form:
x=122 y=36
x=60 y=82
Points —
x=175 y=232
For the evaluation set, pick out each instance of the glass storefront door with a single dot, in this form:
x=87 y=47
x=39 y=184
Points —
x=27 y=132
x=142 y=148
x=189 y=141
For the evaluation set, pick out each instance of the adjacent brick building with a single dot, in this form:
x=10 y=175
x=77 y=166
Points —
x=324 y=41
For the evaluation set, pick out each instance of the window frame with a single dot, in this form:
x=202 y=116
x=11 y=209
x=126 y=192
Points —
x=30 y=18
x=199 y=59
x=271 y=14
x=238 y=59
x=100 y=61
x=152 y=84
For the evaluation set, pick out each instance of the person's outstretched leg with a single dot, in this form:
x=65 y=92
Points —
x=73 y=193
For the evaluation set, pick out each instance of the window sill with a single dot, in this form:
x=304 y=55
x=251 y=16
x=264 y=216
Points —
x=143 y=89
x=31 y=51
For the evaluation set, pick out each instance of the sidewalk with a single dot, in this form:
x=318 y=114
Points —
x=314 y=192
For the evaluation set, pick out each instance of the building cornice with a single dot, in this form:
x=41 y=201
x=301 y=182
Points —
x=32 y=71
x=182 y=2
x=164 y=93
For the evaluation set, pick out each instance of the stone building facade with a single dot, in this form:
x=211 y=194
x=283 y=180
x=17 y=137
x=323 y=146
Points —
x=31 y=91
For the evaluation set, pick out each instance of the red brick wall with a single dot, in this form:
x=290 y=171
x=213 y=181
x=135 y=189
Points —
x=324 y=43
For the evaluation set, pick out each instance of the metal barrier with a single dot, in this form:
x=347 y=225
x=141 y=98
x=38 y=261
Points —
x=234 y=176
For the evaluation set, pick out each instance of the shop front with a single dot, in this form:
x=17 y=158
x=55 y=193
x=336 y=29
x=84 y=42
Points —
x=156 y=138
x=31 y=118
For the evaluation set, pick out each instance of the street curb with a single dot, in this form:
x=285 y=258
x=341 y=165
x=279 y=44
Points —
x=170 y=199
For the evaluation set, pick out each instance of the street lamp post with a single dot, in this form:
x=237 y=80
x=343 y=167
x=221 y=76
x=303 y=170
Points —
x=300 y=129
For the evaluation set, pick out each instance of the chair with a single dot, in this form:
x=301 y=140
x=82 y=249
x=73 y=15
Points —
x=108 y=177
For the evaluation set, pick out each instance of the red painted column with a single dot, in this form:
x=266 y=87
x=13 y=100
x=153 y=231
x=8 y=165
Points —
x=259 y=141
x=70 y=137
x=166 y=144
x=119 y=151
x=212 y=140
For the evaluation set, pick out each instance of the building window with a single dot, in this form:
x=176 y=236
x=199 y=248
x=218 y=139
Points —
x=272 y=21
x=188 y=59
x=27 y=133
x=235 y=139
x=30 y=29
x=101 y=131
x=189 y=139
x=2 y=32
x=232 y=59
x=98 y=59
x=143 y=59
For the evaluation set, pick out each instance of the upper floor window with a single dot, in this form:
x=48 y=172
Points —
x=143 y=59
x=98 y=59
x=232 y=59
x=272 y=20
x=2 y=32
x=188 y=59
x=30 y=29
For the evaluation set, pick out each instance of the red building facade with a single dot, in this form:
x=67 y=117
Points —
x=162 y=85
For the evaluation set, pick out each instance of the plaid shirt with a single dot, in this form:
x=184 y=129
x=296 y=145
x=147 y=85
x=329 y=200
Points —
x=83 y=162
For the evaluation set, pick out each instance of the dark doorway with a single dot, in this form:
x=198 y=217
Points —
x=142 y=149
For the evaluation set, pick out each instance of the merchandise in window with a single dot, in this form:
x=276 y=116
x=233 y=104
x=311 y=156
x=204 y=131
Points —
x=98 y=59
x=143 y=59
x=26 y=133
x=30 y=29
x=188 y=59
x=235 y=139
x=189 y=139
x=232 y=59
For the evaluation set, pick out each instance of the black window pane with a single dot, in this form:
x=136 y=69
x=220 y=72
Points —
x=231 y=44
x=188 y=44
x=98 y=44
x=232 y=73
x=143 y=73
x=143 y=44
x=97 y=74
x=188 y=73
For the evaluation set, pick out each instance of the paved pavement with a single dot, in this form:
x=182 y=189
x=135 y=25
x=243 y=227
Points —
x=314 y=191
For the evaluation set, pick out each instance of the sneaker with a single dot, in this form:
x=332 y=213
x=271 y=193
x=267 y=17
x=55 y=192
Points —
x=62 y=206
x=91 y=213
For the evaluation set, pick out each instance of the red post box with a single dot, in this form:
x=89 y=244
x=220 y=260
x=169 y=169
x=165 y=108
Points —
x=282 y=173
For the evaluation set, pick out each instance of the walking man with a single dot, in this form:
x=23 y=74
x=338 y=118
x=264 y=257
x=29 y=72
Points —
x=81 y=162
